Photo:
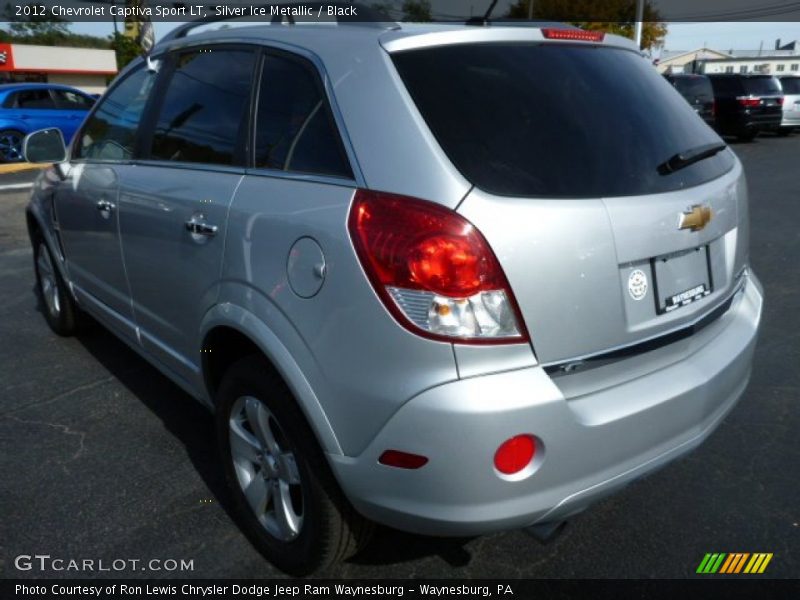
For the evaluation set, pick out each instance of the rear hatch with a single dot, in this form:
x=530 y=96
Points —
x=763 y=98
x=566 y=146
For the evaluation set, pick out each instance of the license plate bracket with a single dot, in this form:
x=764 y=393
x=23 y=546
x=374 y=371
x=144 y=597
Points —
x=681 y=278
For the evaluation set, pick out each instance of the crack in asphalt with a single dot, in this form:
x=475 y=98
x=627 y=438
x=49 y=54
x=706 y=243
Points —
x=65 y=429
x=59 y=396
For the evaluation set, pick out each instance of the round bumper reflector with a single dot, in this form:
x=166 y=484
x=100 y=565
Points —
x=515 y=454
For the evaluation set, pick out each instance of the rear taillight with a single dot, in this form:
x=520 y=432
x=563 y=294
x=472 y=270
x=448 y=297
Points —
x=433 y=270
x=551 y=33
x=779 y=101
x=748 y=102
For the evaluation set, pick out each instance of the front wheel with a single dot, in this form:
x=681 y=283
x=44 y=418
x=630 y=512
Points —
x=283 y=491
x=60 y=310
x=11 y=145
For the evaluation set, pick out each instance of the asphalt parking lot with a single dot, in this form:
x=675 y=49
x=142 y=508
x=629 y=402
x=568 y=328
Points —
x=103 y=458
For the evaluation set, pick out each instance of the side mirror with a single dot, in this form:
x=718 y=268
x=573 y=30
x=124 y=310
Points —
x=45 y=146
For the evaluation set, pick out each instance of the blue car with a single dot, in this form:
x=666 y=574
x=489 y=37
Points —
x=27 y=107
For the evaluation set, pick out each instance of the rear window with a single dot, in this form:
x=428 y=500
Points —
x=762 y=86
x=693 y=87
x=791 y=85
x=557 y=120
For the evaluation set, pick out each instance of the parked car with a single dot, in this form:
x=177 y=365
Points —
x=697 y=91
x=747 y=104
x=414 y=279
x=790 y=84
x=27 y=107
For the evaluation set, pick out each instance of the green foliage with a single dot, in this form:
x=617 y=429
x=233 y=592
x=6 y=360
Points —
x=125 y=48
x=614 y=16
x=417 y=11
x=46 y=31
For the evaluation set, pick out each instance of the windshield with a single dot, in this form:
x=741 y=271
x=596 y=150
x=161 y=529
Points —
x=557 y=120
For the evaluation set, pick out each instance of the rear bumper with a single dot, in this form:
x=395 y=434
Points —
x=593 y=443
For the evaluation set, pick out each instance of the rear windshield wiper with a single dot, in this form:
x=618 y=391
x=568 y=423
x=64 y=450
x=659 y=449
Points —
x=689 y=157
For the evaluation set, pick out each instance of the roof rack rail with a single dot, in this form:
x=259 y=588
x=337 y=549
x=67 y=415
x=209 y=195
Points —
x=365 y=16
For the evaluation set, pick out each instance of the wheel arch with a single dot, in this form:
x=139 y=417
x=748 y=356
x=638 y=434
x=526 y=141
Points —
x=231 y=332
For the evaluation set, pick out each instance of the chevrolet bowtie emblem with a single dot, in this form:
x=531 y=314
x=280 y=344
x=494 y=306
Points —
x=695 y=218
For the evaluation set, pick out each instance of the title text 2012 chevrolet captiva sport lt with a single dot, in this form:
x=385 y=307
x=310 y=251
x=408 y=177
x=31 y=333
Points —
x=448 y=278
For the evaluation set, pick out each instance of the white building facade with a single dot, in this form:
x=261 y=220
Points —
x=88 y=69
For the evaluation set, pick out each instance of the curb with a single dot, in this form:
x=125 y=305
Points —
x=19 y=167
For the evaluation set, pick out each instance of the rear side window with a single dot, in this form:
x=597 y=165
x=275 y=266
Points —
x=762 y=86
x=110 y=132
x=557 y=120
x=694 y=87
x=33 y=99
x=70 y=100
x=791 y=85
x=203 y=115
x=295 y=130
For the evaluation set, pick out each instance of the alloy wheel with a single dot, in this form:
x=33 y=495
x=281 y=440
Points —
x=266 y=468
x=47 y=280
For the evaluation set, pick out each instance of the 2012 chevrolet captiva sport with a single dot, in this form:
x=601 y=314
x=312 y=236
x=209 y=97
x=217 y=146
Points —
x=448 y=278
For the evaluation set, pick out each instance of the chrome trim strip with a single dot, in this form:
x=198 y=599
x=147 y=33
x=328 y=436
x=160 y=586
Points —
x=738 y=287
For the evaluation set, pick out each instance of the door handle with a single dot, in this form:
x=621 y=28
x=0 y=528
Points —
x=199 y=227
x=105 y=206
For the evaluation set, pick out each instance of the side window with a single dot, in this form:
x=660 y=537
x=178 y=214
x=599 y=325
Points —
x=34 y=99
x=110 y=132
x=70 y=100
x=295 y=130
x=203 y=115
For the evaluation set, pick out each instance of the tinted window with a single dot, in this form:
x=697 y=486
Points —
x=762 y=86
x=34 y=99
x=727 y=86
x=693 y=87
x=555 y=120
x=72 y=100
x=295 y=130
x=791 y=85
x=203 y=115
x=110 y=132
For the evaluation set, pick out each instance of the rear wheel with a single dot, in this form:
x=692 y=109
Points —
x=58 y=306
x=283 y=491
x=11 y=145
x=747 y=136
x=783 y=131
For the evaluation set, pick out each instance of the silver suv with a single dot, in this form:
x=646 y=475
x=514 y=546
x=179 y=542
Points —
x=451 y=279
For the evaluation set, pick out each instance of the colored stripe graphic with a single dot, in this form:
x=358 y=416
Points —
x=711 y=563
x=733 y=563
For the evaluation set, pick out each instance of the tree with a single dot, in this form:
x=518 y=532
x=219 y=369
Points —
x=126 y=48
x=417 y=11
x=612 y=16
x=45 y=30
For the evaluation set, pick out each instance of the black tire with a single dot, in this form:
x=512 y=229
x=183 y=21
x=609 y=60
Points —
x=747 y=136
x=58 y=306
x=11 y=146
x=330 y=530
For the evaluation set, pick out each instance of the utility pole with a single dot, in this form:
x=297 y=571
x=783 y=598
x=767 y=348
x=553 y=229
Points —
x=637 y=32
x=530 y=10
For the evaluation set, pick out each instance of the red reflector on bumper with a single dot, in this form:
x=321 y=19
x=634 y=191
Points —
x=515 y=454
x=402 y=460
